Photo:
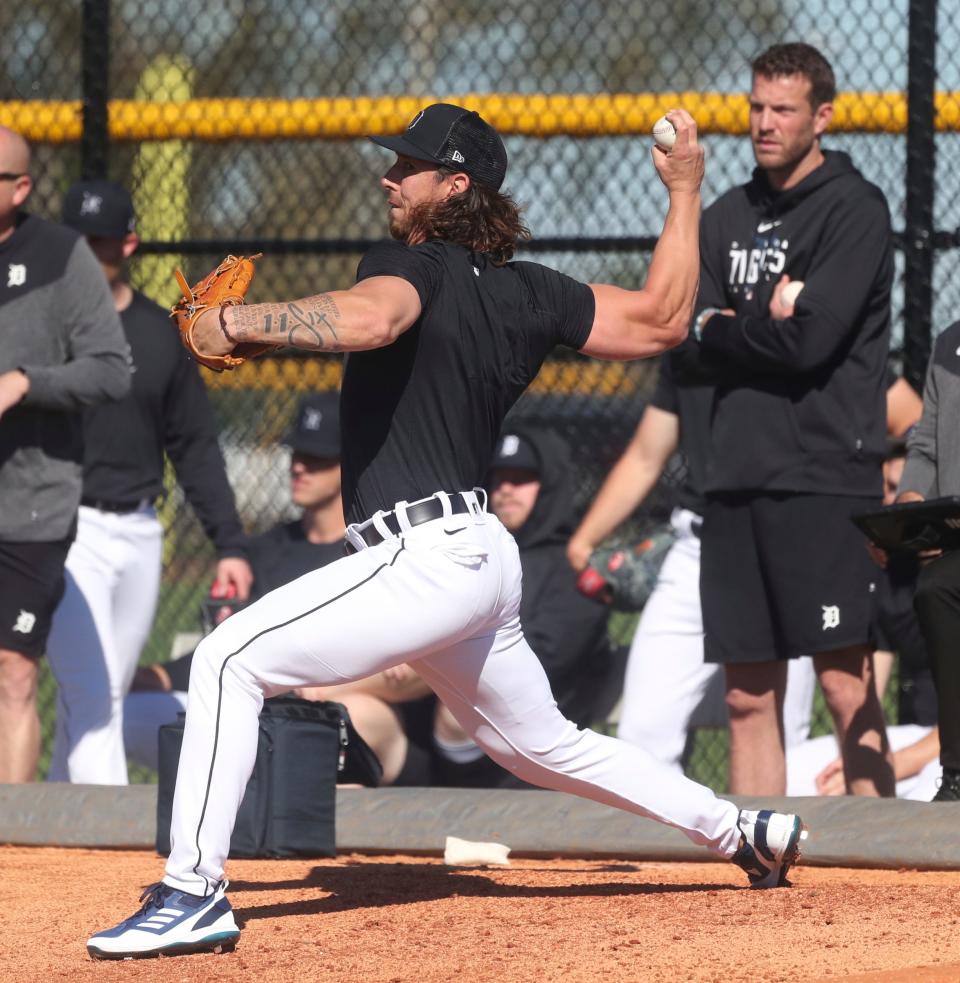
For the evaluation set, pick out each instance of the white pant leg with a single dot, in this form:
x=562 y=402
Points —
x=144 y=713
x=666 y=677
x=806 y=760
x=446 y=582
x=374 y=609
x=497 y=689
x=798 y=700
x=112 y=578
x=136 y=593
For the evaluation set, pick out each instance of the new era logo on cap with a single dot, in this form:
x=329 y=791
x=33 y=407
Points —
x=316 y=429
x=91 y=204
x=99 y=208
x=312 y=418
x=452 y=136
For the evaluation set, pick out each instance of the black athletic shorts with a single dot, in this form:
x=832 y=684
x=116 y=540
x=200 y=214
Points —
x=783 y=576
x=31 y=585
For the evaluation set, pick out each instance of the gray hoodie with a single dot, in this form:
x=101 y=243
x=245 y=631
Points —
x=57 y=324
x=933 y=448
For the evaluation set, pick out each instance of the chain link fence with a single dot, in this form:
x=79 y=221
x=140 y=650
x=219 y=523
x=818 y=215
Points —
x=241 y=127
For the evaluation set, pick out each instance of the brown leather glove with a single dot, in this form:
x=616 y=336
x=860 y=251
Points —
x=227 y=284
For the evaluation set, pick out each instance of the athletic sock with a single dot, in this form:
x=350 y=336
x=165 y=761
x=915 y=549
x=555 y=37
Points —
x=459 y=752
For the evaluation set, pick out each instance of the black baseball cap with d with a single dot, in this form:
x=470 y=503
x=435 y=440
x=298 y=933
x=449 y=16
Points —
x=516 y=452
x=453 y=137
x=99 y=208
x=316 y=430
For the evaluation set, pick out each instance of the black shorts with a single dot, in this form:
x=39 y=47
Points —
x=783 y=576
x=31 y=585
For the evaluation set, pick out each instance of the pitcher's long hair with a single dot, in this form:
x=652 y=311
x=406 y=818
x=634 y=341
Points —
x=480 y=218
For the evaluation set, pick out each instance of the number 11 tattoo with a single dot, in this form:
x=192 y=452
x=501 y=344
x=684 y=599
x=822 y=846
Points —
x=308 y=324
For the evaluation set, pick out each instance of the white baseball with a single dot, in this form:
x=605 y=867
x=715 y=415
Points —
x=790 y=292
x=665 y=133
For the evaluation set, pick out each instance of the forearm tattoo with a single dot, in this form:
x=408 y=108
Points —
x=309 y=324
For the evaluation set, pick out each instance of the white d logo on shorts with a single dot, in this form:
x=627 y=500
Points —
x=831 y=616
x=25 y=622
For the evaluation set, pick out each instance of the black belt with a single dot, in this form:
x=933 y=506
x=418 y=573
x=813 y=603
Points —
x=417 y=514
x=118 y=507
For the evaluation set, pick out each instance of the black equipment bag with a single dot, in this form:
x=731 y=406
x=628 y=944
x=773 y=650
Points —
x=305 y=749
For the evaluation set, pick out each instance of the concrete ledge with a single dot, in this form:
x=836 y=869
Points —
x=844 y=831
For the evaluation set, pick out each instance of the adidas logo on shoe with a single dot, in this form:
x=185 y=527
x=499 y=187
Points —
x=170 y=923
x=769 y=846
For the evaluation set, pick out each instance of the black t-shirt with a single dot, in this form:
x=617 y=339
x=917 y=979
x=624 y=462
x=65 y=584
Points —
x=167 y=409
x=283 y=553
x=690 y=399
x=423 y=414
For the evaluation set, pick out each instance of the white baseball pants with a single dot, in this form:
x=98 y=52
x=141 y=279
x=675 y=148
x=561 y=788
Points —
x=444 y=596
x=668 y=687
x=99 y=629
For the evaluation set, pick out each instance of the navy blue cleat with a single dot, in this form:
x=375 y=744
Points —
x=769 y=846
x=170 y=923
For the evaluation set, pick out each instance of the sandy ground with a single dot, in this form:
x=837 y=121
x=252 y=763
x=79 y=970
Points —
x=396 y=918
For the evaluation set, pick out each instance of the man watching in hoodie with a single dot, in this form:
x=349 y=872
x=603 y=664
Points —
x=798 y=425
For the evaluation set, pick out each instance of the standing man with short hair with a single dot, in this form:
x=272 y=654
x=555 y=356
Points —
x=114 y=566
x=444 y=334
x=932 y=470
x=798 y=425
x=62 y=350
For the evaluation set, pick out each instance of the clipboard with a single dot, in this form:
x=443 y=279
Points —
x=913 y=527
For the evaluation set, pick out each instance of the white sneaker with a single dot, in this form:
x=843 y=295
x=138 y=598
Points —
x=170 y=923
x=769 y=846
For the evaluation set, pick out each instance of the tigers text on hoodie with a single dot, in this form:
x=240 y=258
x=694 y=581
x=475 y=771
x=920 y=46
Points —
x=800 y=404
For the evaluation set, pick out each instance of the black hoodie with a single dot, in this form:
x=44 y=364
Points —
x=800 y=404
x=567 y=631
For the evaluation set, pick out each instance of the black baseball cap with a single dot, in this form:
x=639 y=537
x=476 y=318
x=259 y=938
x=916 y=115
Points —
x=99 y=208
x=516 y=451
x=454 y=137
x=316 y=430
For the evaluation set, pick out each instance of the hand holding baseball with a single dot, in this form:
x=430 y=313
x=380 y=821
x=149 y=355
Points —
x=784 y=298
x=665 y=133
x=680 y=168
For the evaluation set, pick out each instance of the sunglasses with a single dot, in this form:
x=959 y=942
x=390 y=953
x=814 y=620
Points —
x=7 y=176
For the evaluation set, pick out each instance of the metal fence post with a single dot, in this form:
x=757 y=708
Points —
x=918 y=233
x=95 y=60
